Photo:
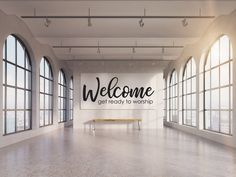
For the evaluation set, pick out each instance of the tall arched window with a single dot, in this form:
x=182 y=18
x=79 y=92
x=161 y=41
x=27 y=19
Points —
x=218 y=90
x=46 y=93
x=173 y=97
x=17 y=106
x=71 y=99
x=189 y=93
x=62 y=96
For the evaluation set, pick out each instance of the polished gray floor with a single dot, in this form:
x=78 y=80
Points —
x=117 y=153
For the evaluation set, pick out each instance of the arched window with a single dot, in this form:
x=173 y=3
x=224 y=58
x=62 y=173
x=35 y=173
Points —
x=189 y=93
x=46 y=93
x=17 y=106
x=173 y=97
x=62 y=96
x=218 y=90
x=71 y=99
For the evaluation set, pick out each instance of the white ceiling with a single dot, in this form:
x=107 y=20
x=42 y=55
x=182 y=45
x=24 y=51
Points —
x=118 y=32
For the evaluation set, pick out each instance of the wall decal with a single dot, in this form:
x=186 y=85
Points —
x=118 y=91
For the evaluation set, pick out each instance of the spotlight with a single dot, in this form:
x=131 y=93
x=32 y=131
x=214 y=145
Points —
x=89 y=22
x=98 y=50
x=47 y=22
x=89 y=19
x=141 y=23
x=184 y=22
x=163 y=50
x=133 y=50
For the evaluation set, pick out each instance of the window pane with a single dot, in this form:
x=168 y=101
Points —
x=207 y=99
x=10 y=98
x=3 y=51
x=224 y=74
x=231 y=72
x=193 y=118
x=207 y=120
x=193 y=101
x=51 y=102
x=41 y=101
x=3 y=99
x=46 y=101
x=215 y=54
x=46 y=70
x=224 y=49
x=46 y=118
x=27 y=119
x=208 y=62
x=46 y=86
x=11 y=49
x=42 y=67
x=224 y=124
x=20 y=99
x=189 y=86
x=28 y=80
x=215 y=78
x=42 y=85
x=194 y=84
x=215 y=120
x=20 y=55
x=10 y=122
x=20 y=120
x=41 y=121
x=215 y=99
x=11 y=74
x=3 y=72
x=224 y=98
x=27 y=62
x=28 y=100
x=207 y=80
x=20 y=78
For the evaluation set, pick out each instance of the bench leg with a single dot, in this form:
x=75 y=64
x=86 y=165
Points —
x=139 y=126
x=93 y=126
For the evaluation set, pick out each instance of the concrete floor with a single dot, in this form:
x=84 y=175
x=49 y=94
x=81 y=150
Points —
x=117 y=153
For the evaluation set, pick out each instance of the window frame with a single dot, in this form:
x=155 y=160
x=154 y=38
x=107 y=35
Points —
x=173 y=87
x=44 y=93
x=71 y=99
x=219 y=87
x=62 y=97
x=5 y=85
x=185 y=93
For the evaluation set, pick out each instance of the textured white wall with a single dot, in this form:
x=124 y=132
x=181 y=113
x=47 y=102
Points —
x=152 y=119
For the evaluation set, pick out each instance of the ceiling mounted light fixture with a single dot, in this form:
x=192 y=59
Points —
x=47 y=22
x=133 y=49
x=163 y=51
x=98 y=50
x=184 y=22
x=89 y=19
x=141 y=22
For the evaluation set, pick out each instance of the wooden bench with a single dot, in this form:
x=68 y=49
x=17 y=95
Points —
x=92 y=123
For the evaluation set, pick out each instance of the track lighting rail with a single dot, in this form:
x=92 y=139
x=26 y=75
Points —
x=100 y=46
x=118 y=17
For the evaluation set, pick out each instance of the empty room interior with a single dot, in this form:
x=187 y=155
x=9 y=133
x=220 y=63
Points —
x=115 y=88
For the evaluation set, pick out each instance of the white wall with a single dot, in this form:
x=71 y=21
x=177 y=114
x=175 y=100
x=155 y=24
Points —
x=10 y=24
x=152 y=119
x=223 y=25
